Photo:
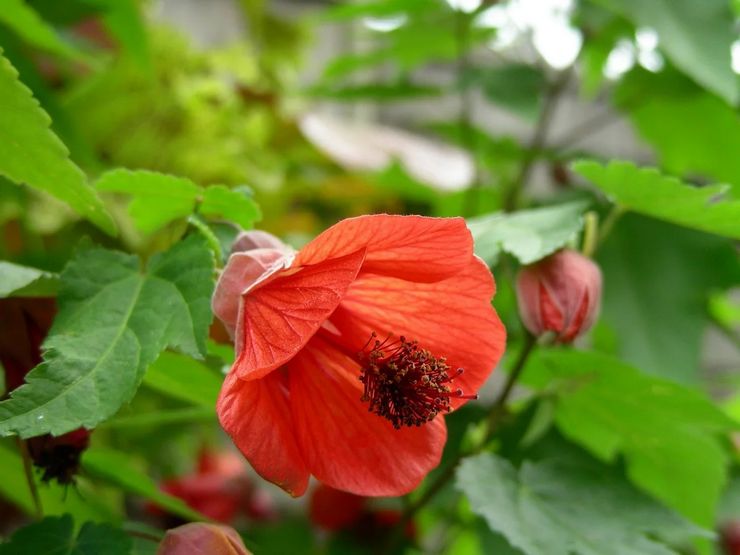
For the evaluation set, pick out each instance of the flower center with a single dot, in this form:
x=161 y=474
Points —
x=404 y=383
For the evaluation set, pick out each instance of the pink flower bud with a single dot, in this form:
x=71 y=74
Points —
x=561 y=294
x=198 y=538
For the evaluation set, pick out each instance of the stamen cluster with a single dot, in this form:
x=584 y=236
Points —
x=404 y=383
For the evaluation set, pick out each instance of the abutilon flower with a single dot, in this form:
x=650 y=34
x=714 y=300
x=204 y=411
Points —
x=560 y=294
x=200 y=538
x=350 y=351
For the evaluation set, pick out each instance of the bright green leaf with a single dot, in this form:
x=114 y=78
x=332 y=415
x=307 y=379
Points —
x=116 y=468
x=378 y=8
x=27 y=24
x=22 y=281
x=529 y=235
x=33 y=155
x=55 y=536
x=696 y=36
x=113 y=322
x=649 y=192
x=669 y=435
x=158 y=198
x=183 y=378
x=567 y=505
x=231 y=204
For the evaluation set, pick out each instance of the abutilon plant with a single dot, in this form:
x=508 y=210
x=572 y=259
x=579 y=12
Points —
x=350 y=351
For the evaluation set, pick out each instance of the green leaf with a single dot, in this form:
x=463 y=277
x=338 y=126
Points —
x=55 y=536
x=183 y=378
x=704 y=141
x=670 y=436
x=516 y=87
x=566 y=505
x=158 y=198
x=696 y=36
x=649 y=192
x=22 y=281
x=113 y=322
x=27 y=24
x=377 y=8
x=529 y=235
x=658 y=278
x=116 y=468
x=161 y=418
x=380 y=92
x=35 y=156
x=231 y=204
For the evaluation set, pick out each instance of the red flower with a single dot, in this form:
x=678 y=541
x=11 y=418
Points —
x=220 y=489
x=560 y=293
x=347 y=351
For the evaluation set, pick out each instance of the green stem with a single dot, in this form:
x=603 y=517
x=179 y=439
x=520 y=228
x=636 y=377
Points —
x=608 y=224
x=28 y=470
x=210 y=237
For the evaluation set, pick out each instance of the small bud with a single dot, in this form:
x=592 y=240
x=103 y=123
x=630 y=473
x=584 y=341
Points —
x=58 y=457
x=561 y=294
x=197 y=537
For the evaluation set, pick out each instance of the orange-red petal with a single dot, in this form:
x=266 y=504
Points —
x=344 y=445
x=415 y=248
x=276 y=320
x=257 y=416
x=451 y=318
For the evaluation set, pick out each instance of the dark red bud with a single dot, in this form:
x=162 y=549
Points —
x=333 y=510
x=198 y=538
x=560 y=294
x=730 y=537
x=59 y=457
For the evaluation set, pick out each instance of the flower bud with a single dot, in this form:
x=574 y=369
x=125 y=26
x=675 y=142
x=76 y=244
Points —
x=560 y=294
x=198 y=537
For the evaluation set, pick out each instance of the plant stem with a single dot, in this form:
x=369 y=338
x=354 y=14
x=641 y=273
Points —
x=537 y=142
x=493 y=421
x=28 y=469
x=608 y=224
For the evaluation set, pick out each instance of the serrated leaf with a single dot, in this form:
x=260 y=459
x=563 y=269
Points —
x=22 y=281
x=55 y=536
x=696 y=36
x=529 y=235
x=649 y=192
x=670 y=436
x=116 y=468
x=27 y=24
x=230 y=204
x=32 y=154
x=566 y=505
x=183 y=378
x=113 y=322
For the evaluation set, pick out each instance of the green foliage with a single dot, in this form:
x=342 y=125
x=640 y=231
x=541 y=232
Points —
x=697 y=37
x=183 y=378
x=116 y=468
x=516 y=87
x=33 y=155
x=56 y=536
x=657 y=293
x=22 y=281
x=160 y=199
x=649 y=192
x=528 y=235
x=567 y=504
x=26 y=23
x=113 y=321
x=669 y=435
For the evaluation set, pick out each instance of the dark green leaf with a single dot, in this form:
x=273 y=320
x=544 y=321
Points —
x=22 y=281
x=35 y=156
x=649 y=192
x=113 y=322
x=529 y=235
x=669 y=435
x=657 y=277
x=55 y=536
x=566 y=505
x=379 y=92
x=516 y=87
x=696 y=36
x=116 y=468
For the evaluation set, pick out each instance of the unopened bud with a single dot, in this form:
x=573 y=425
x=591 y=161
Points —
x=198 y=537
x=560 y=294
